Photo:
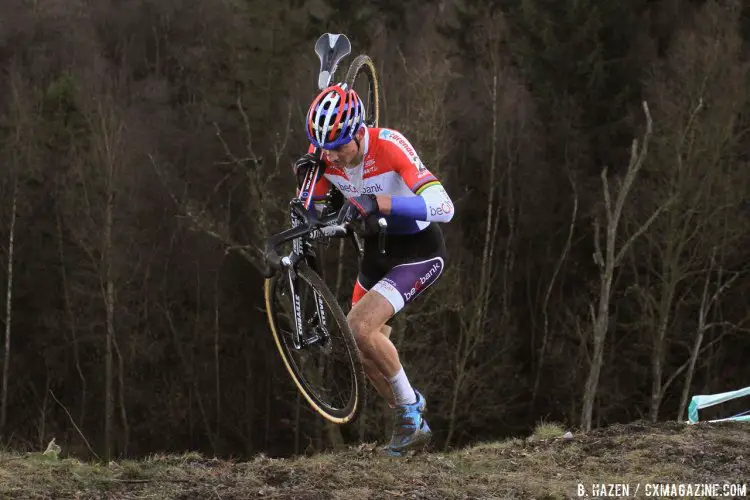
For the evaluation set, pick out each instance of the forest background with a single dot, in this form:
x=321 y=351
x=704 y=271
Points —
x=596 y=153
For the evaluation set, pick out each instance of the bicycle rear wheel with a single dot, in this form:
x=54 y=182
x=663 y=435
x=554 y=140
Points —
x=370 y=87
x=327 y=371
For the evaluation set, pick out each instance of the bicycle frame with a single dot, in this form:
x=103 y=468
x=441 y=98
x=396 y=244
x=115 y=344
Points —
x=305 y=229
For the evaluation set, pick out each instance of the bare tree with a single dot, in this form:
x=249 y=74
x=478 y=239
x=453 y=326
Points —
x=473 y=330
x=701 y=90
x=493 y=263
x=259 y=177
x=8 y=307
x=550 y=286
x=707 y=303
x=20 y=150
x=610 y=259
x=91 y=196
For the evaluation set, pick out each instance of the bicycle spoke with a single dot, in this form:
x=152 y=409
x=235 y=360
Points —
x=323 y=361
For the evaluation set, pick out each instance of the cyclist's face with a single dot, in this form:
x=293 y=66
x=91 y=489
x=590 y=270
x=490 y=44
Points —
x=342 y=155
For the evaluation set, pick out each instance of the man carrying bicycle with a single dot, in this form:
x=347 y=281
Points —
x=380 y=175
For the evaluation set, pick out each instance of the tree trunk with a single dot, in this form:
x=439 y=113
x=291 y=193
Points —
x=608 y=262
x=690 y=371
x=657 y=357
x=217 y=349
x=469 y=337
x=109 y=303
x=8 y=311
x=71 y=318
x=125 y=437
x=700 y=332
x=597 y=358
x=545 y=305
x=250 y=395
x=267 y=434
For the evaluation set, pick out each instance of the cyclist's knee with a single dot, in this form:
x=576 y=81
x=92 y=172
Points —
x=367 y=318
x=362 y=327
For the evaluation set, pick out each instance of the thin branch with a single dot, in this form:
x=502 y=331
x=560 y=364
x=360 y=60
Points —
x=246 y=122
x=598 y=257
x=279 y=148
x=723 y=287
x=227 y=150
x=607 y=199
x=686 y=364
x=201 y=222
x=74 y=425
x=642 y=230
x=551 y=284
x=715 y=324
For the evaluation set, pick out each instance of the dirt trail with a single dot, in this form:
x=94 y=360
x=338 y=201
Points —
x=637 y=456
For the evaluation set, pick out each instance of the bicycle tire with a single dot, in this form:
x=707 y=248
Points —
x=363 y=63
x=351 y=410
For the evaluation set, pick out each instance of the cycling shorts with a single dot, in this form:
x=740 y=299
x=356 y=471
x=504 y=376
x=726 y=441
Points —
x=410 y=265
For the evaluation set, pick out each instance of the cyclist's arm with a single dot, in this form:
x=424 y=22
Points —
x=431 y=202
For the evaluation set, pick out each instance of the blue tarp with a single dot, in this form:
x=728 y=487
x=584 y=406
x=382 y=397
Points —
x=704 y=401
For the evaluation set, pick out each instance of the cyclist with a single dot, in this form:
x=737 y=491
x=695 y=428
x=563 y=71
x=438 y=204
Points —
x=380 y=175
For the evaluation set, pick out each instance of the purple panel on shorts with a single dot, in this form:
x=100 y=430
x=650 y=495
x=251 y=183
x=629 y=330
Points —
x=411 y=279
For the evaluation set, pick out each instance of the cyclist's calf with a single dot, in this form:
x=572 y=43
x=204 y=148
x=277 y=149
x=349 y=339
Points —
x=378 y=380
x=367 y=322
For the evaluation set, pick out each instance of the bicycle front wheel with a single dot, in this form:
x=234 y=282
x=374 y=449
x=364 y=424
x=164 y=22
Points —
x=325 y=364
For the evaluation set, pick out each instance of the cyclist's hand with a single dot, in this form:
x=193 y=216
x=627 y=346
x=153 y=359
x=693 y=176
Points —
x=303 y=164
x=358 y=207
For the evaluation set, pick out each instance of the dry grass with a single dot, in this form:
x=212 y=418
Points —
x=537 y=467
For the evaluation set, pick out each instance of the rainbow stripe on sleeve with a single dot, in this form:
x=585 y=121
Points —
x=428 y=184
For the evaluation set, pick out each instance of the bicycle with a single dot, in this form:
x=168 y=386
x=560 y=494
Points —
x=307 y=337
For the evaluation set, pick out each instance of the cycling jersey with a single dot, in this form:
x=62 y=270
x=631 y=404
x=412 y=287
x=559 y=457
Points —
x=415 y=250
x=391 y=166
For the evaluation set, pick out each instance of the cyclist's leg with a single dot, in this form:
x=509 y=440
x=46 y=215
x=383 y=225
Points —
x=358 y=293
x=366 y=319
x=400 y=286
x=378 y=380
x=416 y=261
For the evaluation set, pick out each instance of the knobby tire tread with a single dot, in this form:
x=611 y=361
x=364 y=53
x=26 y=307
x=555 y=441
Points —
x=363 y=61
x=317 y=283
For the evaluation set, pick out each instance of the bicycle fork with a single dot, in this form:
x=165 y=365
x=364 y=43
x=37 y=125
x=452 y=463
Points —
x=317 y=323
x=315 y=330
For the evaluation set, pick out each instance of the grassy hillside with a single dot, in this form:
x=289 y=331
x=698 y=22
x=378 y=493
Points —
x=545 y=465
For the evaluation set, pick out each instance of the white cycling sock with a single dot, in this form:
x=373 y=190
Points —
x=402 y=389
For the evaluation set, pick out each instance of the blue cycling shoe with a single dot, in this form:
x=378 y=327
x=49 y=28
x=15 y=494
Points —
x=410 y=429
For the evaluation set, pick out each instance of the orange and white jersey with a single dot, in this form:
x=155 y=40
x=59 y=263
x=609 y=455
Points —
x=390 y=166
